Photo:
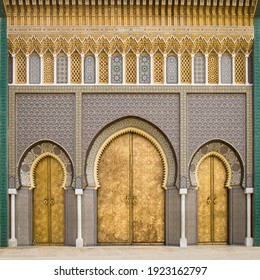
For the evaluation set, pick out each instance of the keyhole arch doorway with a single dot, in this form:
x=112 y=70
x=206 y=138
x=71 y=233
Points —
x=213 y=176
x=131 y=193
x=48 y=179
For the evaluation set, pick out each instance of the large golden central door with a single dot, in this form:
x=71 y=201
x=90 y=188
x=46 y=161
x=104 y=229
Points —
x=212 y=202
x=130 y=197
x=48 y=200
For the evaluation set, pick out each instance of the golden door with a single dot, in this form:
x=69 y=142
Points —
x=130 y=197
x=48 y=200
x=212 y=202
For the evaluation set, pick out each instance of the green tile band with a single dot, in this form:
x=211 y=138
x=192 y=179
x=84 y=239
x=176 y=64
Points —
x=3 y=128
x=257 y=127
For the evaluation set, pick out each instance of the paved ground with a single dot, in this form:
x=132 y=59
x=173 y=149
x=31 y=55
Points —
x=206 y=252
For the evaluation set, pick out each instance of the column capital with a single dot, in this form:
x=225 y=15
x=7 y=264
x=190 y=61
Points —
x=219 y=54
x=82 y=55
x=12 y=191
x=165 y=55
x=249 y=190
x=183 y=191
x=206 y=55
x=78 y=192
x=192 y=55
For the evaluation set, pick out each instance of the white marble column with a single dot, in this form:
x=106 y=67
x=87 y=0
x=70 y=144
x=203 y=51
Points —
x=124 y=69
x=248 y=240
x=109 y=69
x=151 y=69
x=55 y=67
x=42 y=70
x=137 y=68
x=179 y=68
x=14 y=65
x=233 y=69
x=183 y=240
x=69 y=71
x=192 y=68
x=82 y=68
x=165 y=69
x=219 y=69
x=12 y=241
x=27 y=68
x=206 y=68
x=79 y=240
x=247 y=56
x=96 y=68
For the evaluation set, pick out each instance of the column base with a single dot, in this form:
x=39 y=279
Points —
x=79 y=242
x=249 y=241
x=12 y=242
x=183 y=242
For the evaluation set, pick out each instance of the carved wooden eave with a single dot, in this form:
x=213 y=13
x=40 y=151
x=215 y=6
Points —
x=130 y=12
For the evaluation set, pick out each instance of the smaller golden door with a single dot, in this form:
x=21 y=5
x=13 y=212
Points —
x=212 y=202
x=48 y=203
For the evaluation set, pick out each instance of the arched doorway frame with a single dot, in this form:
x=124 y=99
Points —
x=26 y=167
x=162 y=144
x=142 y=127
x=235 y=173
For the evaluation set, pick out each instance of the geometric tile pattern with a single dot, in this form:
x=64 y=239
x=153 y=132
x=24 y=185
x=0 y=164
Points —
x=62 y=69
x=229 y=154
x=144 y=69
x=53 y=113
x=89 y=69
x=34 y=69
x=217 y=116
x=159 y=109
x=172 y=69
x=199 y=68
x=226 y=69
x=116 y=69
x=133 y=124
x=36 y=151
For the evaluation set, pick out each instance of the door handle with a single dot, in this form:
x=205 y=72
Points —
x=45 y=201
x=127 y=199
x=52 y=201
x=134 y=201
x=208 y=201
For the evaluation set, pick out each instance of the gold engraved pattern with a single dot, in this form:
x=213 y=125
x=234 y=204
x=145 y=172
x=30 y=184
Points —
x=48 y=202
x=130 y=197
x=148 y=210
x=113 y=208
x=40 y=195
x=212 y=202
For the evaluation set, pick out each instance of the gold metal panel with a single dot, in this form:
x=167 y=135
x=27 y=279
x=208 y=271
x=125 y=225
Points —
x=48 y=202
x=148 y=194
x=40 y=202
x=212 y=202
x=220 y=202
x=56 y=202
x=113 y=194
x=204 y=203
